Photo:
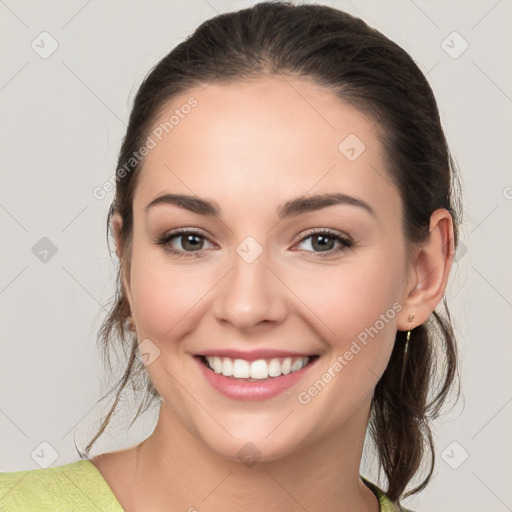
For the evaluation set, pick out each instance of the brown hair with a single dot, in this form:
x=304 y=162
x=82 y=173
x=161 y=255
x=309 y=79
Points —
x=367 y=70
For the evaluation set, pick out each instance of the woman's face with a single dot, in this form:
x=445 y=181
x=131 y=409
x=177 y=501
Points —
x=258 y=274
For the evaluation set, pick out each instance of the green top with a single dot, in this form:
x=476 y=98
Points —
x=79 y=486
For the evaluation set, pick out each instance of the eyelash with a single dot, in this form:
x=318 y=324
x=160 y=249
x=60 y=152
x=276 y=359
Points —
x=346 y=242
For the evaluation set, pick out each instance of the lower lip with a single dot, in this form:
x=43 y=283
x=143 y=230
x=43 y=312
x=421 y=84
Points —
x=256 y=390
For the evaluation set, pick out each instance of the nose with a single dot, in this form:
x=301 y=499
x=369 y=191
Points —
x=250 y=295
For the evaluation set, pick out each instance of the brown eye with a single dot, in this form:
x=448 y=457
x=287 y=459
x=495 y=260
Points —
x=189 y=242
x=322 y=242
x=327 y=242
x=184 y=243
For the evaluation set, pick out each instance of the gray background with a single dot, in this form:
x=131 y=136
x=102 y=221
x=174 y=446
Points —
x=62 y=120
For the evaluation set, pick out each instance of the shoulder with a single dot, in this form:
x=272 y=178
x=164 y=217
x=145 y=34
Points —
x=77 y=486
x=385 y=504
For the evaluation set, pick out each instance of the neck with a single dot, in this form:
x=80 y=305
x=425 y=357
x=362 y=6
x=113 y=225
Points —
x=176 y=471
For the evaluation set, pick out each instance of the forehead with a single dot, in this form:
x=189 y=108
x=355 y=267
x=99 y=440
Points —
x=274 y=137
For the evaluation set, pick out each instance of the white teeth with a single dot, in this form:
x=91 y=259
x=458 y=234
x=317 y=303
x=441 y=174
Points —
x=217 y=365
x=286 y=367
x=297 y=365
x=227 y=367
x=259 y=369
x=274 y=368
x=241 y=369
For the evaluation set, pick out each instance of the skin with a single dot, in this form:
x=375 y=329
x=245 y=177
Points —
x=250 y=147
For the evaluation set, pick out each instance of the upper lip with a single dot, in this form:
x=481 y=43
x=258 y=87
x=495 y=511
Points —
x=253 y=355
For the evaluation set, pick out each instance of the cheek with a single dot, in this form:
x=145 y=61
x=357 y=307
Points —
x=167 y=297
x=355 y=302
x=351 y=296
x=358 y=307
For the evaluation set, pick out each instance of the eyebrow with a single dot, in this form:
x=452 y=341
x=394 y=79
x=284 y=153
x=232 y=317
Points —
x=290 y=208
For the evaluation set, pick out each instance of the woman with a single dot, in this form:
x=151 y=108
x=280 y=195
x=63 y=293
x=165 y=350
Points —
x=285 y=224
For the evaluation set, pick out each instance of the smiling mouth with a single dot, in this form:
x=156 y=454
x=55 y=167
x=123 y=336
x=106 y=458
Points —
x=258 y=370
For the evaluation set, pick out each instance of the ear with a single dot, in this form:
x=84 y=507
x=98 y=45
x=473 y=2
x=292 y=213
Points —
x=428 y=275
x=116 y=224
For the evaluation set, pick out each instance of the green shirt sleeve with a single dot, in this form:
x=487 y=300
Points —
x=77 y=486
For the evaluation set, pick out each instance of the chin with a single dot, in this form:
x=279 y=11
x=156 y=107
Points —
x=252 y=447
